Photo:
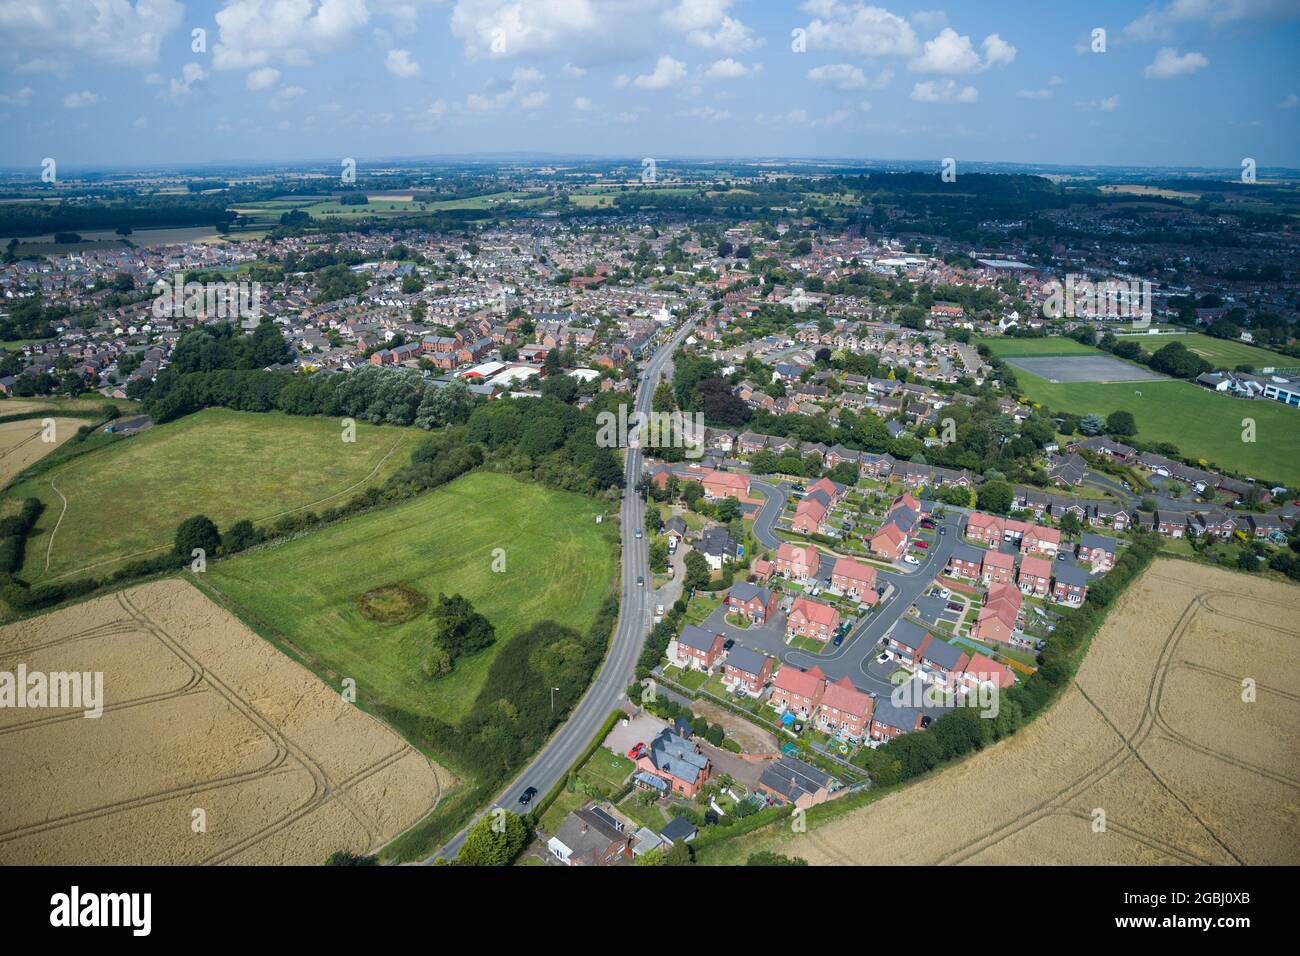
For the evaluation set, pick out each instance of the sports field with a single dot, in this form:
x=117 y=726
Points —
x=1203 y=424
x=1155 y=754
x=558 y=566
x=1223 y=353
x=125 y=500
x=1004 y=347
x=1083 y=368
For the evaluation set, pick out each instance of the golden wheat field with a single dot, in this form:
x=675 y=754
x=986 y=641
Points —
x=22 y=443
x=200 y=714
x=1153 y=756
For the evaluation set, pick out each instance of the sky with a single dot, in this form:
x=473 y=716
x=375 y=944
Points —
x=152 y=83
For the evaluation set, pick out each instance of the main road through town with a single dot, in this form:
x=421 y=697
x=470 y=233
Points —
x=634 y=619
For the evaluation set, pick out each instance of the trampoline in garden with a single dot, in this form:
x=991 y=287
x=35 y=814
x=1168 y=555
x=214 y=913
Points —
x=789 y=749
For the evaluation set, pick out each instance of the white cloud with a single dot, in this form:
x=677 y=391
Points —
x=708 y=113
x=140 y=123
x=284 y=97
x=582 y=104
x=730 y=69
x=946 y=91
x=1108 y=105
x=191 y=73
x=112 y=31
x=929 y=19
x=18 y=98
x=256 y=32
x=521 y=92
x=1161 y=22
x=952 y=53
x=399 y=63
x=573 y=72
x=54 y=65
x=707 y=25
x=667 y=73
x=437 y=109
x=79 y=100
x=858 y=28
x=1289 y=102
x=1043 y=94
x=842 y=76
x=262 y=79
x=1168 y=64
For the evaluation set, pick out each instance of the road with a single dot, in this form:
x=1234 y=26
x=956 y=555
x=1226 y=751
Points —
x=635 y=614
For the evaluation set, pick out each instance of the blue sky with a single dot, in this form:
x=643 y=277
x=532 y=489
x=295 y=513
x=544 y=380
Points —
x=1183 y=82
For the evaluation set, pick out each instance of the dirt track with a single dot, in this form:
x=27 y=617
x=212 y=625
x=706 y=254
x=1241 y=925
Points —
x=200 y=713
x=1153 y=732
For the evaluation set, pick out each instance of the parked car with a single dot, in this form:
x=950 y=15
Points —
x=729 y=643
x=526 y=797
x=920 y=544
x=911 y=559
x=839 y=639
x=882 y=659
x=945 y=593
x=635 y=752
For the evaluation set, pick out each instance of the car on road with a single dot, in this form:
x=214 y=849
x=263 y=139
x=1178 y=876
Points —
x=638 y=532
x=943 y=530
x=839 y=639
x=640 y=581
x=526 y=797
x=635 y=752
x=910 y=559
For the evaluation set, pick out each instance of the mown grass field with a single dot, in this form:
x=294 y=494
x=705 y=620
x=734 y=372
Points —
x=1004 y=347
x=1223 y=353
x=1203 y=424
x=559 y=565
x=126 y=499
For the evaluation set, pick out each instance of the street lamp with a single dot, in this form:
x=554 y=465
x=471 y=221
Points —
x=553 y=690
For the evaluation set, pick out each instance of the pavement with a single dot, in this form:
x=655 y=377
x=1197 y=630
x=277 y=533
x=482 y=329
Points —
x=636 y=609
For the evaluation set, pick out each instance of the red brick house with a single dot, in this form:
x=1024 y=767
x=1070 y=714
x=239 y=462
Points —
x=889 y=542
x=889 y=721
x=1071 y=585
x=985 y=528
x=725 y=484
x=998 y=568
x=998 y=617
x=966 y=561
x=1041 y=540
x=808 y=517
x=798 y=691
x=755 y=604
x=985 y=670
x=844 y=711
x=698 y=649
x=1035 y=576
x=855 y=579
x=1098 y=551
x=809 y=618
x=834 y=492
x=747 y=670
x=797 y=562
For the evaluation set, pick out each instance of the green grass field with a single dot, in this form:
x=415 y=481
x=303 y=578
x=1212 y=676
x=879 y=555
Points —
x=1223 y=353
x=126 y=499
x=559 y=565
x=1203 y=424
x=1034 y=348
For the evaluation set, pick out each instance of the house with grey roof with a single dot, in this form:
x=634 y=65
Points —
x=790 y=780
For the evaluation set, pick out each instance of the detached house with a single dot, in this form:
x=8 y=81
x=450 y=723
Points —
x=799 y=692
x=809 y=618
x=808 y=516
x=1041 y=540
x=798 y=563
x=889 y=542
x=855 y=579
x=943 y=664
x=698 y=649
x=1097 y=550
x=1035 y=576
x=888 y=720
x=845 y=711
x=755 y=604
x=747 y=670
x=1071 y=583
x=907 y=641
x=677 y=762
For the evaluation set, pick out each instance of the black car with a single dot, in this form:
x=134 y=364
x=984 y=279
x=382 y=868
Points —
x=839 y=639
x=728 y=644
x=526 y=797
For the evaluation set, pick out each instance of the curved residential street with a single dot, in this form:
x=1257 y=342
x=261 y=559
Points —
x=636 y=607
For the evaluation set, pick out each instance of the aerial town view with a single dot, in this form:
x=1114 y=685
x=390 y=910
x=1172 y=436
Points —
x=695 y=433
